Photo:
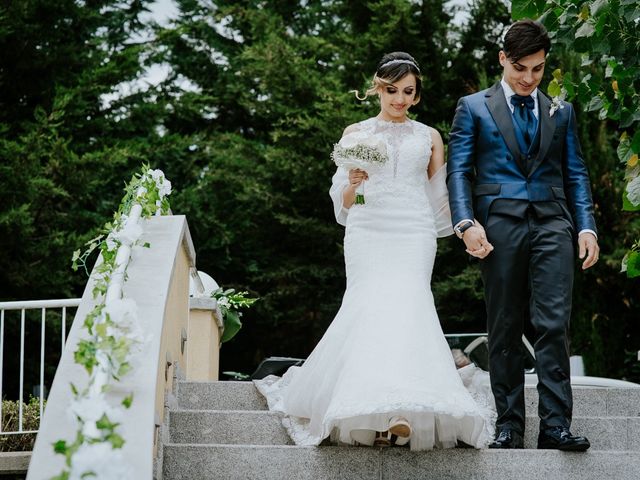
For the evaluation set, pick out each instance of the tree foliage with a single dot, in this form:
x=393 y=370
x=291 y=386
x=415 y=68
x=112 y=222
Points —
x=596 y=45
x=64 y=151
x=607 y=35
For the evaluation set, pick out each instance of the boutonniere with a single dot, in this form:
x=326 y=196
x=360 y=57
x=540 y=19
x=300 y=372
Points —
x=556 y=102
x=557 y=92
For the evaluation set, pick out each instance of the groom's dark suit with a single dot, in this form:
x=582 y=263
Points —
x=532 y=201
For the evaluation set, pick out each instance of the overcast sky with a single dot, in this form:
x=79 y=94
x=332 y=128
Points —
x=163 y=10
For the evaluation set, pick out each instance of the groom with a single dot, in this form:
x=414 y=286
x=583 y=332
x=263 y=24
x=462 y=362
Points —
x=515 y=166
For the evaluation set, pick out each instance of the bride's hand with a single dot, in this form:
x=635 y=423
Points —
x=356 y=176
x=476 y=241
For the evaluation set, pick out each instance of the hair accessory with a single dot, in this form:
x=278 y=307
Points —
x=397 y=61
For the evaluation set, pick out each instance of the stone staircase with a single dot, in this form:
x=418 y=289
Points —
x=223 y=430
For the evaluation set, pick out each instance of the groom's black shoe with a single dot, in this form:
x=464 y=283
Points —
x=507 y=438
x=560 y=438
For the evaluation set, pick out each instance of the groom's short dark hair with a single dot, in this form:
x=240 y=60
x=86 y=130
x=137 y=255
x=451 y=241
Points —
x=524 y=38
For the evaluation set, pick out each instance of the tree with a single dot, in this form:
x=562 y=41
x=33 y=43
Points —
x=65 y=151
x=607 y=34
x=594 y=43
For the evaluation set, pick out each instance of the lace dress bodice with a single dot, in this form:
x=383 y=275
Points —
x=409 y=152
x=403 y=179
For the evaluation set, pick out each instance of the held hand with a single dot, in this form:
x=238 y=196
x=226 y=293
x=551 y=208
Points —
x=588 y=245
x=476 y=241
x=356 y=176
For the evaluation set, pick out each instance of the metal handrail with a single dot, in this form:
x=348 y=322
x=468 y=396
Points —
x=23 y=306
x=31 y=304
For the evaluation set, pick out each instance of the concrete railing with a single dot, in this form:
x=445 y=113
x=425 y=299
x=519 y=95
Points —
x=183 y=340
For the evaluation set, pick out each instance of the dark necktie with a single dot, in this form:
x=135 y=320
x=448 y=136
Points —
x=525 y=119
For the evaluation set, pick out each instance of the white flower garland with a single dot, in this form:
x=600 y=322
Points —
x=115 y=337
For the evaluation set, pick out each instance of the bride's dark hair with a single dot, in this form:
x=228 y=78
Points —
x=391 y=68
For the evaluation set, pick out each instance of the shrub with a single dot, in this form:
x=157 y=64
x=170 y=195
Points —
x=19 y=442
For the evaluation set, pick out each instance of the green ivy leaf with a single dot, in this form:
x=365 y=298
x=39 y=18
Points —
x=586 y=30
x=85 y=355
x=633 y=264
x=584 y=13
x=105 y=424
x=596 y=103
x=567 y=83
x=124 y=369
x=585 y=60
x=629 y=117
x=627 y=206
x=598 y=6
x=527 y=8
x=60 y=447
x=116 y=440
x=232 y=325
x=554 y=88
x=624 y=148
x=635 y=142
x=127 y=401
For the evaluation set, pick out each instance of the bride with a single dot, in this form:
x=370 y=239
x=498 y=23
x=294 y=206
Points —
x=383 y=372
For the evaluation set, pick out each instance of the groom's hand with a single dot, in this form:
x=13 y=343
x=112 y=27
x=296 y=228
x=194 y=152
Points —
x=476 y=241
x=588 y=245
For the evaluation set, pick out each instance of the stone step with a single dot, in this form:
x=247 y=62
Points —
x=594 y=402
x=220 y=396
x=194 y=462
x=604 y=433
x=14 y=463
x=227 y=427
x=588 y=402
x=265 y=428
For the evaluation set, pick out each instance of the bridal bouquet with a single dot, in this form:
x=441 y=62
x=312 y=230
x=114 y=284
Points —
x=363 y=151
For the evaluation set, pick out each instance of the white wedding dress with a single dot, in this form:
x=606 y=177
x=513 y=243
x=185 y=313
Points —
x=385 y=354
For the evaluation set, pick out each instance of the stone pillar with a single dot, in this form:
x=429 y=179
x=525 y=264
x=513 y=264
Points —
x=203 y=337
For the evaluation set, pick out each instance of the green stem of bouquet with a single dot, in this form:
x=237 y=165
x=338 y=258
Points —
x=360 y=194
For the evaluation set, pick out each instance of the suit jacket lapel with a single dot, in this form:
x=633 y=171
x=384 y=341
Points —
x=547 y=127
x=497 y=105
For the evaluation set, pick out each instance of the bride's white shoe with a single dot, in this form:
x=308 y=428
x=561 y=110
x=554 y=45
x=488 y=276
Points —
x=400 y=427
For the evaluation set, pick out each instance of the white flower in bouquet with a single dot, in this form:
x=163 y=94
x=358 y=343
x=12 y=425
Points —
x=363 y=151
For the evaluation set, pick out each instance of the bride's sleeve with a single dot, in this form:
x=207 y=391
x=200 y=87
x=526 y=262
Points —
x=338 y=183
x=439 y=199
